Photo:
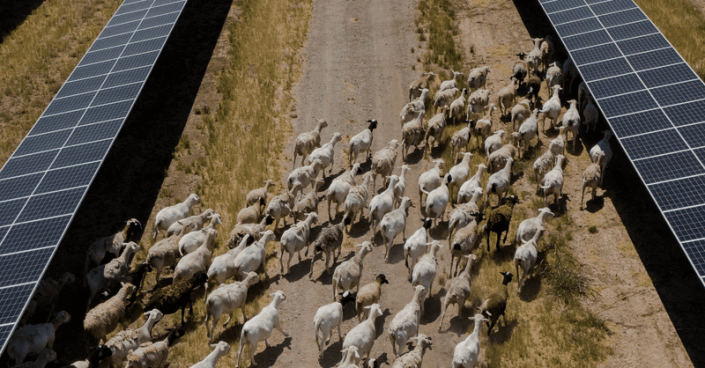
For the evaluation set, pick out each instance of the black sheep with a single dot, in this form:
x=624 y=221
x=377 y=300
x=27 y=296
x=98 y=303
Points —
x=498 y=220
x=175 y=296
x=496 y=303
x=327 y=242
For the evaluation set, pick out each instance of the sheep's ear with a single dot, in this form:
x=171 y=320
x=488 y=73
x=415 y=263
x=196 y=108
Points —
x=214 y=345
x=368 y=307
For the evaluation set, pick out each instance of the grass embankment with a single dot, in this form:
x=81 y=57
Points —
x=683 y=24
x=238 y=140
x=547 y=326
x=38 y=56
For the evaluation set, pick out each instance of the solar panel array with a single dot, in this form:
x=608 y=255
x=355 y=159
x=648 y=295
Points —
x=652 y=99
x=46 y=178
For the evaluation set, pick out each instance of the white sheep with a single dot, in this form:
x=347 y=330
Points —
x=444 y=98
x=356 y=200
x=193 y=240
x=253 y=230
x=464 y=213
x=591 y=115
x=294 y=239
x=308 y=141
x=416 y=245
x=530 y=226
x=464 y=241
x=499 y=182
x=534 y=60
x=467 y=190
x=458 y=290
x=226 y=300
x=571 y=122
x=604 y=147
x=255 y=195
x=557 y=145
x=478 y=102
x=260 y=327
x=546 y=51
x=459 y=173
x=126 y=340
x=542 y=165
x=528 y=131
x=34 y=338
x=340 y=187
x=420 y=84
x=467 y=352
x=104 y=276
x=253 y=257
x=169 y=215
x=412 y=134
x=327 y=317
x=347 y=275
x=525 y=257
x=154 y=355
x=452 y=83
x=413 y=109
x=425 y=271
x=554 y=76
x=553 y=182
x=494 y=142
x=162 y=254
x=303 y=176
x=431 y=179
x=251 y=214
x=198 y=260
x=223 y=266
x=382 y=204
x=507 y=96
x=351 y=358
x=326 y=154
x=478 y=77
x=279 y=207
x=435 y=126
x=520 y=112
x=394 y=223
x=591 y=177
x=383 y=161
x=196 y=223
x=406 y=323
x=552 y=108
x=457 y=106
x=437 y=201
x=414 y=358
x=497 y=159
x=363 y=335
x=400 y=186
x=113 y=244
x=102 y=319
x=483 y=127
x=460 y=139
x=361 y=142
x=220 y=350
x=307 y=203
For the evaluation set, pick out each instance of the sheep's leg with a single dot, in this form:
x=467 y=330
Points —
x=278 y=326
x=394 y=345
x=499 y=235
x=443 y=314
x=340 y=335
x=239 y=351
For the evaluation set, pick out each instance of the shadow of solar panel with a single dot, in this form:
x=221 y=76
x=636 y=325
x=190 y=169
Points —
x=27 y=164
x=696 y=252
x=587 y=39
x=612 y=6
x=627 y=104
x=70 y=177
x=95 y=132
x=595 y=54
x=81 y=154
x=639 y=123
x=67 y=104
x=581 y=26
x=667 y=75
x=81 y=86
x=679 y=93
x=10 y=209
x=44 y=142
x=653 y=144
x=632 y=30
x=669 y=167
x=20 y=186
x=47 y=124
x=622 y=17
x=687 y=113
x=51 y=204
x=22 y=267
x=14 y=299
x=106 y=112
x=679 y=193
x=615 y=86
x=687 y=224
x=44 y=233
x=605 y=69
x=570 y=15
x=562 y=5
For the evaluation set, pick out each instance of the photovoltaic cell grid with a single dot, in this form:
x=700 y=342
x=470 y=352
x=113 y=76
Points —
x=653 y=101
x=44 y=181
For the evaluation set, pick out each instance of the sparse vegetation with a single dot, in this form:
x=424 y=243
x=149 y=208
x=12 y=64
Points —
x=440 y=19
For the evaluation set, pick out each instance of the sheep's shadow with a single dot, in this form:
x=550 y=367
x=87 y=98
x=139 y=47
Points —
x=332 y=353
x=432 y=309
x=594 y=205
x=439 y=231
x=396 y=252
x=532 y=286
x=298 y=270
x=458 y=323
x=230 y=333
x=503 y=331
x=415 y=156
x=379 y=323
x=359 y=228
x=270 y=354
x=559 y=208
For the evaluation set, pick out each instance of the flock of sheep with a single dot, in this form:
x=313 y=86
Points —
x=189 y=241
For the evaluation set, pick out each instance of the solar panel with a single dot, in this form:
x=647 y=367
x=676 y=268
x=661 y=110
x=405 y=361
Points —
x=653 y=101
x=44 y=181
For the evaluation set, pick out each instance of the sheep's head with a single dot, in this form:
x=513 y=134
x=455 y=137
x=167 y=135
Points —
x=423 y=340
x=67 y=278
x=507 y=277
x=427 y=223
x=322 y=123
x=419 y=290
x=266 y=237
x=351 y=355
x=194 y=198
x=154 y=315
x=252 y=278
x=313 y=216
x=101 y=352
x=221 y=347
x=373 y=124
x=278 y=295
x=381 y=279
x=479 y=318
x=375 y=310
x=336 y=137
